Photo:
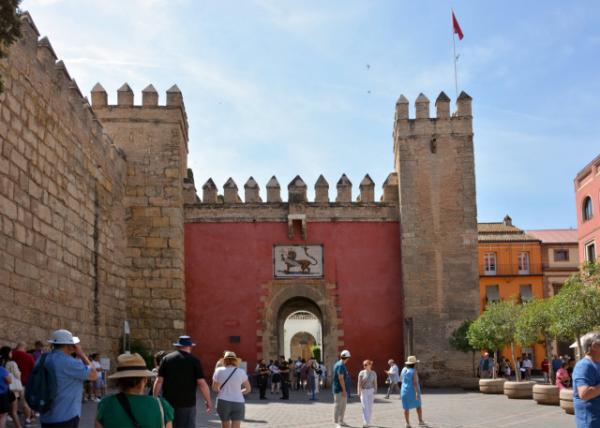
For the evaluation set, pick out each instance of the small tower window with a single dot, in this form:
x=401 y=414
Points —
x=587 y=208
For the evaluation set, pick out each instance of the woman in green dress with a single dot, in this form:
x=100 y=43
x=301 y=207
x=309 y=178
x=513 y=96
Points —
x=131 y=407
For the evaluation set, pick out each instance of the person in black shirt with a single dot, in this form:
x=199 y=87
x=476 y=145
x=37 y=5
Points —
x=179 y=374
x=284 y=373
x=263 y=379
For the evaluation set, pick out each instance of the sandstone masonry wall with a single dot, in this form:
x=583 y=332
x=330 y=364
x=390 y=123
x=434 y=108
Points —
x=62 y=220
x=438 y=217
x=154 y=139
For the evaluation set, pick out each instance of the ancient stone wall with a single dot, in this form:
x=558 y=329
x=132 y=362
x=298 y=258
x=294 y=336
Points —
x=154 y=139
x=62 y=221
x=436 y=178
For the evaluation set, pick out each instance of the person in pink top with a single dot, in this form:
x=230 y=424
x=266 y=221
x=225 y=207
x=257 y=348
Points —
x=563 y=380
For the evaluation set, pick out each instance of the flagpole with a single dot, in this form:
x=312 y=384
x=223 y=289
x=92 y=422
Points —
x=455 y=74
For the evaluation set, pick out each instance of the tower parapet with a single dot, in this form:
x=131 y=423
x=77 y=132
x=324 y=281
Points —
x=154 y=138
x=436 y=194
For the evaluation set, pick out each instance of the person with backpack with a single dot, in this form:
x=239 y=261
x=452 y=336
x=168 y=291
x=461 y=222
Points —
x=131 y=407
x=55 y=385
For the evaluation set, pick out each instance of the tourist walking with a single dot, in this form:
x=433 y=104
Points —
x=15 y=387
x=586 y=383
x=131 y=407
x=338 y=387
x=70 y=373
x=5 y=380
x=527 y=365
x=546 y=370
x=275 y=377
x=284 y=373
x=410 y=392
x=25 y=361
x=485 y=366
x=366 y=389
x=231 y=384
x=311 y=378
x=179 y=374
x=263 y=379
x=563 y=379
x=393 y=378
x=557 y=363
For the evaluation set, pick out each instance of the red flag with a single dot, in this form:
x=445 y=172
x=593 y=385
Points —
x=456 y=27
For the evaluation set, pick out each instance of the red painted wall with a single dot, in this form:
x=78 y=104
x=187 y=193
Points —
x=225 y=264
x=589 y=230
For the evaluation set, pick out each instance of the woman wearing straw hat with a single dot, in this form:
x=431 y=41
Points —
x=231 y=384
x=410 y=393
x=131 y=408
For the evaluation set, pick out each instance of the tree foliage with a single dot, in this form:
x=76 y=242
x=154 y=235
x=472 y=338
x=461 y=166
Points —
x=10 y=27
x=575 y=308
x=496 y=326
x=535 y=321
x=459 y=340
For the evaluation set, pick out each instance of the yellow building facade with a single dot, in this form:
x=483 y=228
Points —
x=510 y=268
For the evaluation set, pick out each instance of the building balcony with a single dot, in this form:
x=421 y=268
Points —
x=511 y=270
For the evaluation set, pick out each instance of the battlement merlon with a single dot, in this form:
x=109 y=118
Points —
x=35 y=57
x=297 y=192
x=148 y=111
x=460 y=122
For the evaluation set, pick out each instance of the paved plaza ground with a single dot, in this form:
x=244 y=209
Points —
x=442 y=409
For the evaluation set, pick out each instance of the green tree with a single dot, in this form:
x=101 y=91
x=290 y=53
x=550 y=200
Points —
x=10 y=28
x=535 y=323
x=459 y=341
x=315 y=351
x=495 y=328
x=575 y=310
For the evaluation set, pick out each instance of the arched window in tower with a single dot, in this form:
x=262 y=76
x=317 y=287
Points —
x=587 y=208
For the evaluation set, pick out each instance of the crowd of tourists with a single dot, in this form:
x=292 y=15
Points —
x=52 y=385
x=560 y=375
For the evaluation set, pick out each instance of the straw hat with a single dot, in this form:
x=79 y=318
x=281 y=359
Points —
x=131 y=365
x=411 y=360
x=229 y=355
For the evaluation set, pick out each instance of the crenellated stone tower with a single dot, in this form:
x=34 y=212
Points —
x=436 y=186
x=154 y=139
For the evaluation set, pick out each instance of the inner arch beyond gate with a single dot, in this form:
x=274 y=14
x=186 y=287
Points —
x=284 y=298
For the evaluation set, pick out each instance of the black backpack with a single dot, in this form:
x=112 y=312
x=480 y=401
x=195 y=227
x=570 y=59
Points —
x=41 y=387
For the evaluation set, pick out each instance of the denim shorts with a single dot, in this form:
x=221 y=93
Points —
x=230 y=410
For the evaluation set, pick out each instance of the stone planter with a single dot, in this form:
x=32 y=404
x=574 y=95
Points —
x=491 y=386
x=546 y=394
x=519 y=389
x=566 y=401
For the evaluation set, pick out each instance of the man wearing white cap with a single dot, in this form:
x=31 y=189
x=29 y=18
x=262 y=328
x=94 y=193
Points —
x=338 y=386
x=70 y=373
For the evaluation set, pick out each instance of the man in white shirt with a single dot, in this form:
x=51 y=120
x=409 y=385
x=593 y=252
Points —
x=393 y=378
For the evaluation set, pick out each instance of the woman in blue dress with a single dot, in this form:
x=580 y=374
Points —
x=410 y=392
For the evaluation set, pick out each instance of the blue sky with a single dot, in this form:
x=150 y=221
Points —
x=276 y=87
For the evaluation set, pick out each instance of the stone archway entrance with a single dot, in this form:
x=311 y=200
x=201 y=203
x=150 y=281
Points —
x=302 y=331
x=285 y=298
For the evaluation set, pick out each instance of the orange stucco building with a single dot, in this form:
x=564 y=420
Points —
x=510 y=267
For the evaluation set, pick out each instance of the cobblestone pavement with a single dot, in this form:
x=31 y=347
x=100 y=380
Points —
x=441 y=408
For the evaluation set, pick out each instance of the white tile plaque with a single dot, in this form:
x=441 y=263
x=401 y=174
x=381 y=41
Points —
x=298 y=261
